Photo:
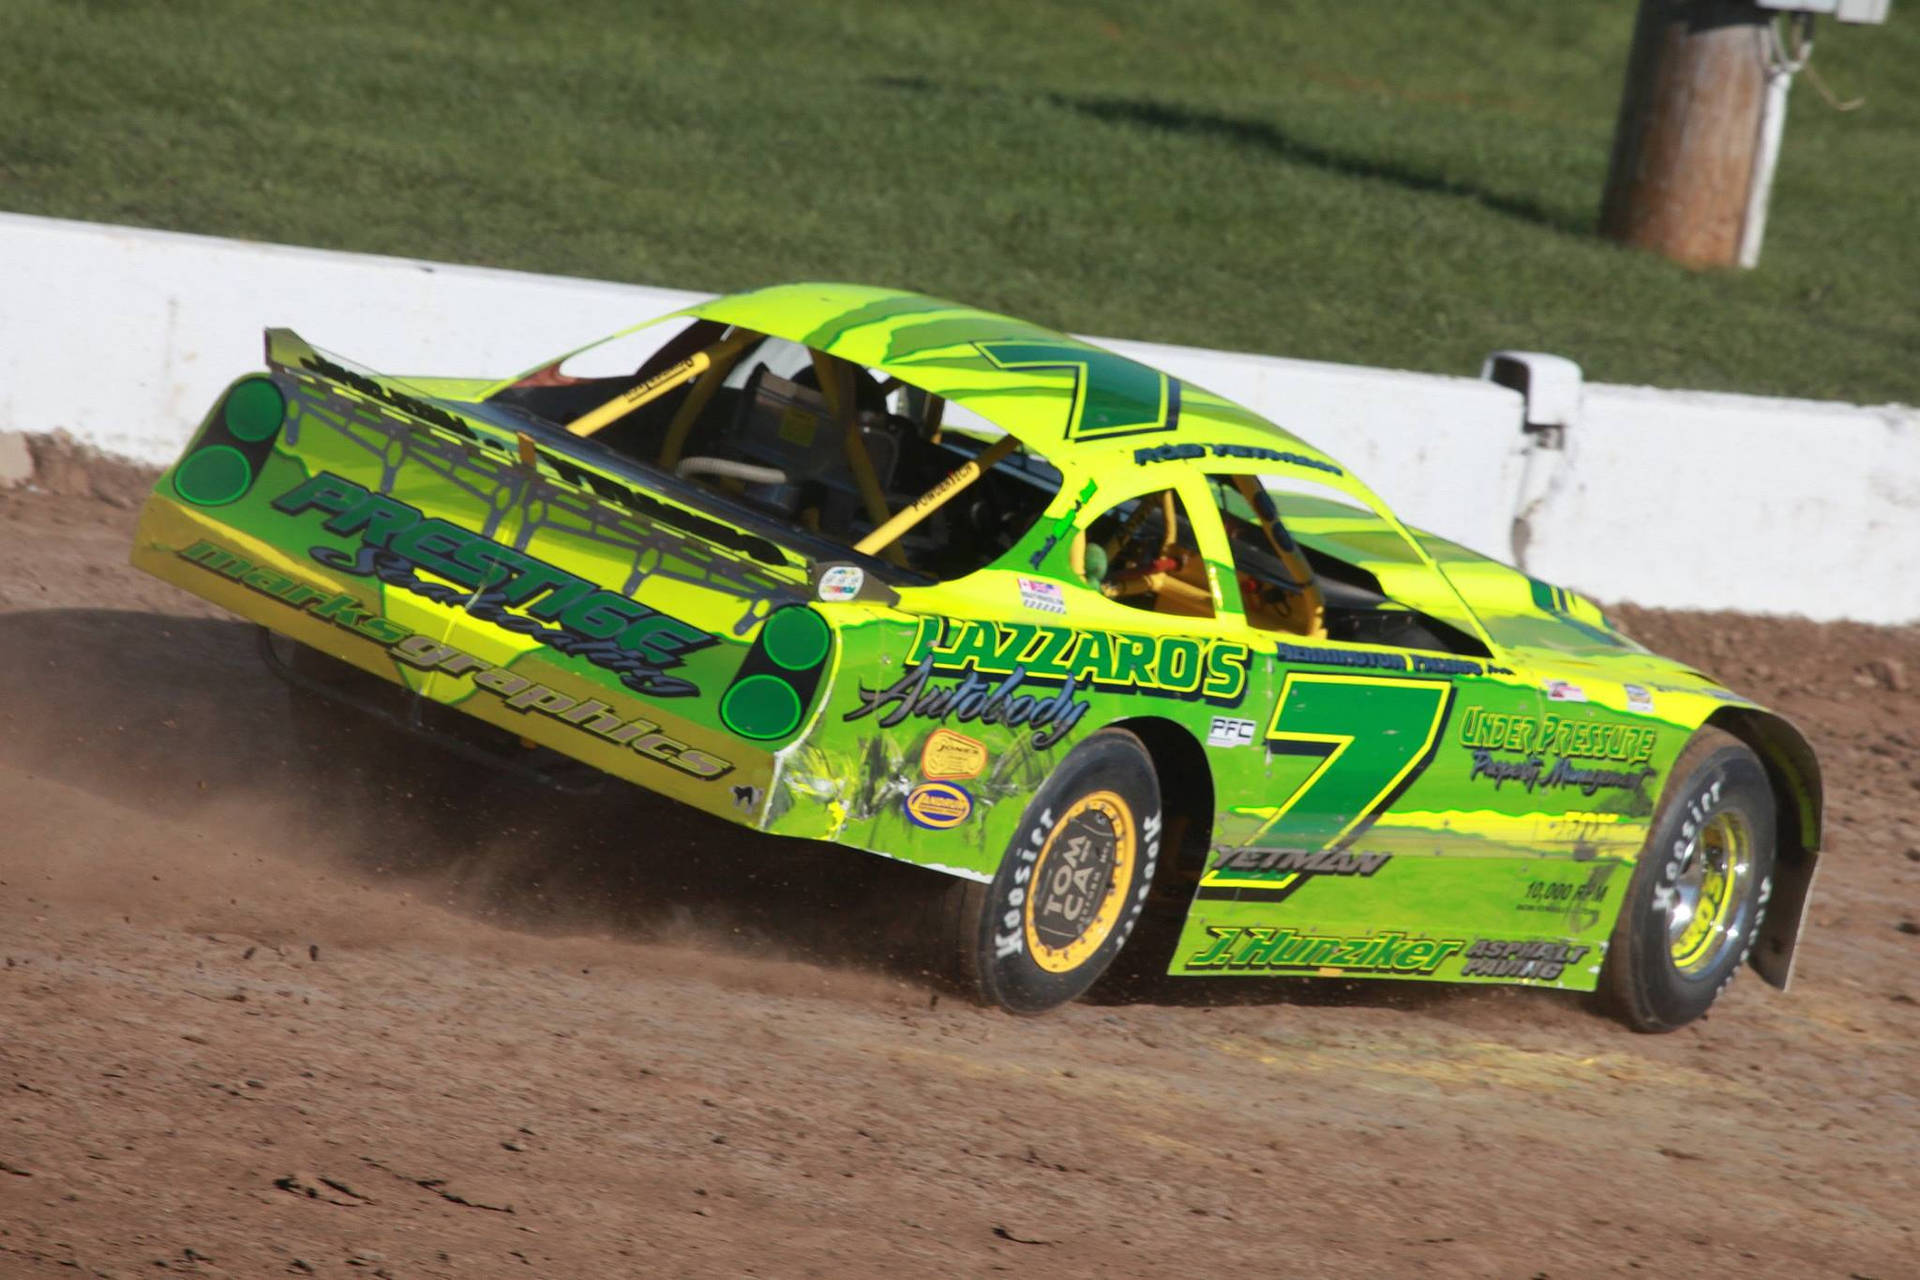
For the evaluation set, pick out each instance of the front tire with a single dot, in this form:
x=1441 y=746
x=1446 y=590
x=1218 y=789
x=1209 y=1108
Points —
x=1072 y=882
x=1699 y=892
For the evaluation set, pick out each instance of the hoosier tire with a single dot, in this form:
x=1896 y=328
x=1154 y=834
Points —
x=1699 y=891
x=335 y=742
x=1072 y=882
x=356 y=757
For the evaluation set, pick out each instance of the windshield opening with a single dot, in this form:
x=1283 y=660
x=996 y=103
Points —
x=1310 y=561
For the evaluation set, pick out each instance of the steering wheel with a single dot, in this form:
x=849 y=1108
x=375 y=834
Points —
x=1133 y=531
x=1252 y=550
x=1293 y=593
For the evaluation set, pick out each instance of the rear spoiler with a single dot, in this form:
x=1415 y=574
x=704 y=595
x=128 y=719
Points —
x=633 y=487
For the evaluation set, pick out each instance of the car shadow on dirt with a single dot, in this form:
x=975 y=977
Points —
x=168 y=715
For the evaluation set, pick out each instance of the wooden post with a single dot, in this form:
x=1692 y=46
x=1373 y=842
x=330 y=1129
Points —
x=1689 y=130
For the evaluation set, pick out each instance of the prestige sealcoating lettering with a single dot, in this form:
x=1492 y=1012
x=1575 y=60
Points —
x=564 y=612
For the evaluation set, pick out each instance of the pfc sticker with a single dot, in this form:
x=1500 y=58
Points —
x=1227 y=731
x=1038 y=593
x=950 y=756
x=938 y=806
x=842 y=582
x=1639 y=699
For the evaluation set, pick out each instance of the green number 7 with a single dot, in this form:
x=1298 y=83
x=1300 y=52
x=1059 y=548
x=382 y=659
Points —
x=1112 y=395
x=1373 y=736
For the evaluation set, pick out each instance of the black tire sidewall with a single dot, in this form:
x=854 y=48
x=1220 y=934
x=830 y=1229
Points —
x=356 y=757
x=1111 y=760
x=1648 y=988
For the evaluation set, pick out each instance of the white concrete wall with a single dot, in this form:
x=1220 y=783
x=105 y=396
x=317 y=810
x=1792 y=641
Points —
x=122 y=337
x=1736 y=502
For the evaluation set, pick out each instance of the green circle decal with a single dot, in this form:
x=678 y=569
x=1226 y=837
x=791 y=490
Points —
x=761 y=706
x=213 y=476
x=255 y=409
x=795 y=639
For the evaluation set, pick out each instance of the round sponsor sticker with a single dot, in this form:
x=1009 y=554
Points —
x=938 y=805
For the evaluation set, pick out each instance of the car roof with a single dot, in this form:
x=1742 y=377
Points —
x=1063 y=397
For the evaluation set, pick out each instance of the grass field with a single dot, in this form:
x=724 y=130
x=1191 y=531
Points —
x=1374 y=181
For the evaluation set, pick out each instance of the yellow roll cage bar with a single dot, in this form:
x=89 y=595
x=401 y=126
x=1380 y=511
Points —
x=708 y=369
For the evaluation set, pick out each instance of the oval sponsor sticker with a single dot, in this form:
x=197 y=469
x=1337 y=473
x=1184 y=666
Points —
x=938 y=805
x=842 y=582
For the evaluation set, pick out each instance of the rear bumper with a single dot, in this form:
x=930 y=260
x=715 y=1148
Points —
x=530 y=697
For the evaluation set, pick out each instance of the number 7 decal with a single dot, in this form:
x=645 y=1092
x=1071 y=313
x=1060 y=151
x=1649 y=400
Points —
x=1112 y=395
x=1372 y=734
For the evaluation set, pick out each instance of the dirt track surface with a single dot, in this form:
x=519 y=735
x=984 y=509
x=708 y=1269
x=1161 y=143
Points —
x=255 y=1022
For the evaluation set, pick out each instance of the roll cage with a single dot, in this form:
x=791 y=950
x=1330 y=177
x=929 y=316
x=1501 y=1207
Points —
x=863 y=461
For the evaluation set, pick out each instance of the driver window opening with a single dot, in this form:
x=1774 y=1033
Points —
x=1142 y=553
x=1278 y=588
x=1309 y=561
x=830 y=450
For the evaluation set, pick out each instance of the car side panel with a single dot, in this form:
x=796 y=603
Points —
x=1503 y=859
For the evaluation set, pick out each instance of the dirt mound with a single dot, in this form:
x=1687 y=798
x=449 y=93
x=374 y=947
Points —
x=270 y=1014
x=68 y=468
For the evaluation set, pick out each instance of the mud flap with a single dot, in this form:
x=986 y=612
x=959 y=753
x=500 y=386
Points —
x=1779 y=938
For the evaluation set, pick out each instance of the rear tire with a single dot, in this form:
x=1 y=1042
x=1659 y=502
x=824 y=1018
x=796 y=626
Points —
x=1072 y=883
x=1699 y=891
x=355 y=759
x=343 y=743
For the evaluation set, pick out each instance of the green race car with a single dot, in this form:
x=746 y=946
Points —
x=864 y=566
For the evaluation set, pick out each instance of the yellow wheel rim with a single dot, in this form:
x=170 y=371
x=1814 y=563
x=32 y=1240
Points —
x=1079 y=884
x=1713 y=877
